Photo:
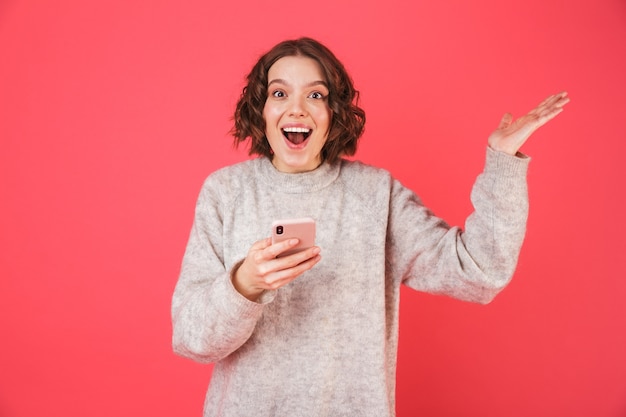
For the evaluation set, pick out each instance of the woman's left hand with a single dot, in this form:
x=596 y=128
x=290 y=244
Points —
x=512 y=134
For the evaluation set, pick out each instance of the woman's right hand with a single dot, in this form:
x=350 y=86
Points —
x=261 y=270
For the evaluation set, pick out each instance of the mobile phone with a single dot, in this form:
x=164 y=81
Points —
x=303 y=229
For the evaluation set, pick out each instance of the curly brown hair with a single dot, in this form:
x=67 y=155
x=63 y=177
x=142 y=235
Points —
x=348 y=119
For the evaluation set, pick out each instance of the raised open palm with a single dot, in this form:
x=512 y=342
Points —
x=512 y=134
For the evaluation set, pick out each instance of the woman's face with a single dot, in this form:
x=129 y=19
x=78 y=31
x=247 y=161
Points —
x=296 y=113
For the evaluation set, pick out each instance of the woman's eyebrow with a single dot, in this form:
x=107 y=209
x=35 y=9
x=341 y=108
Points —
x=311 y=84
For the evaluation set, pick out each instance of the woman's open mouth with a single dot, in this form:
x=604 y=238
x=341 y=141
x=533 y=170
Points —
x=296 y=135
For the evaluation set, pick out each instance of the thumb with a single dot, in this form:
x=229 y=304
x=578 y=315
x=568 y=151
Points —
x=506 y=121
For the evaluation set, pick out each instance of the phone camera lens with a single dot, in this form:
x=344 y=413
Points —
x=279 y=230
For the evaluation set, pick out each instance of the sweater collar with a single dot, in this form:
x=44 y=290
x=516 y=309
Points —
x=303 y=182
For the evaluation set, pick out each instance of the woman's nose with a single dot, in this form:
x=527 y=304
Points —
x=297 y=108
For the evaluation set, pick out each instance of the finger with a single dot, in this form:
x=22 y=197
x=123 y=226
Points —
x=554 y=106
x=276 y=249
x=548 y=115
x=261 y=244
x=547 y=100
x=506 y=121
x=562 y=94
x=563 y=99
x=285 y=276
x=298 y=257
x=534 y=120
x=293 y=264
x=546 y=110
x=558 y=100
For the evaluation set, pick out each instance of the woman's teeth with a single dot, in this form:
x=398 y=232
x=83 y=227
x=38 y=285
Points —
x=296 y=135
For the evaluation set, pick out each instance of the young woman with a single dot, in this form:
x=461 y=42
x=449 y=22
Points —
x=315 y=333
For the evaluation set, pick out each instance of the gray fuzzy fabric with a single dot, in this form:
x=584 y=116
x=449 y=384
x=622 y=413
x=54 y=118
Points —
x=325 y=344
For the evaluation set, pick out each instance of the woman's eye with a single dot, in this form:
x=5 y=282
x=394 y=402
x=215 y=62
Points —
x=278 y=94
x=316 y=95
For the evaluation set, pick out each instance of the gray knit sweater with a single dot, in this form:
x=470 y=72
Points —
x=325 y=344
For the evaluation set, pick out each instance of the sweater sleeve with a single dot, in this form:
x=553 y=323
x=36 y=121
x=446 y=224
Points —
x=210 y=318
x=474 y=263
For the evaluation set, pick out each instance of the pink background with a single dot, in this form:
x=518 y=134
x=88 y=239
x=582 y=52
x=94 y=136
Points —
x=113 y=113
